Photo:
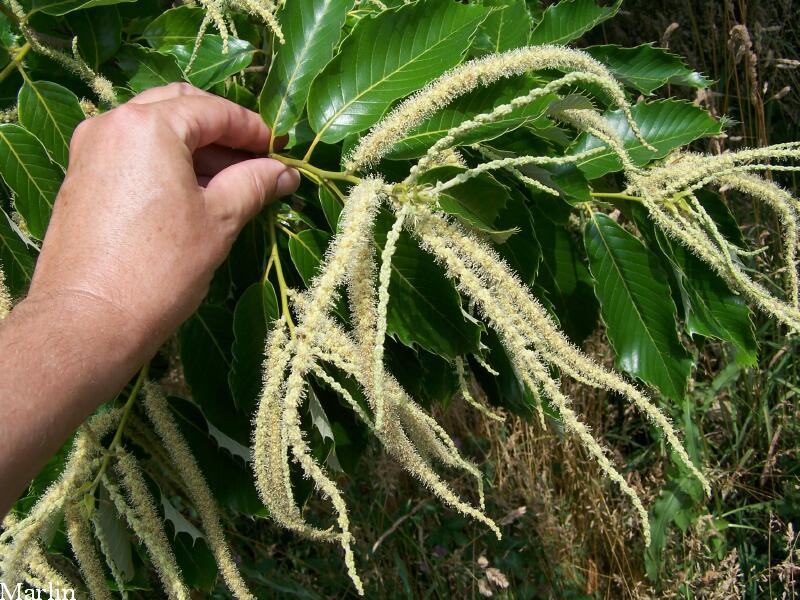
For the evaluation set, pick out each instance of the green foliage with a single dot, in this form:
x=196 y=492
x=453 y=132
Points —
x=345 y=65
x=351 y=94
x=636 y=307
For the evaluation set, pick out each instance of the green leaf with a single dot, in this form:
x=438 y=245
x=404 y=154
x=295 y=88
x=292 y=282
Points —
x=62 y=7
x=255 y=311
x=16 y=257
x=51 y=113
x=117 y=537
x=197 y=564
x=99 y=32
x=147 y=68
x=570 y=19
x=506 y=389
x=427 y=377
x=522 y=252
x=404 y=50
x=719 y=212
x=205 y=344
x=637 y=307
x=331 y=206
x=224 y=462
x=665 y=124
x=180 y=524
x=227 y=443
x=237 y=93
x=646 y=67
x=564 y=276
x=306 y=249
x=318 y=417
x=424 y=307
x=711 y=308
x=175 y=27
x=507 y=27
x=30 y=174
x=312 y=29
x=211 y=65
x=417 y=141
x=478 y=201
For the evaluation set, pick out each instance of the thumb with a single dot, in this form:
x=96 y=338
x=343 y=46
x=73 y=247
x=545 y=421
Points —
x=240 y=191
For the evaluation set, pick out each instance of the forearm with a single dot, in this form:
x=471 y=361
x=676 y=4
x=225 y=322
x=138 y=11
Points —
x=61 y=358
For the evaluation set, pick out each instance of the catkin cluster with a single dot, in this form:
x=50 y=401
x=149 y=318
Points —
x=319 y=346
x=219 y=14
x=668 y=191
x=97 y=478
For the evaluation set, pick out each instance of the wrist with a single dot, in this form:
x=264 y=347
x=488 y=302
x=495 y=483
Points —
x=95 y=331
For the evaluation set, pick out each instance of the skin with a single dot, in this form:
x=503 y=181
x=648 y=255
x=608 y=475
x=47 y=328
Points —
x=155 y=194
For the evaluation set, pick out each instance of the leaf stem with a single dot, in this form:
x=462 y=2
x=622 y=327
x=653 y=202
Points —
x=276 y=260
x=313 y=145
x=126 y=411
x=15 y=62
x=303 y=165
x=616 y=195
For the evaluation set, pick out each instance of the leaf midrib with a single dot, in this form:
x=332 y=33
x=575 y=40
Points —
x=15 y=254
x=32 y=85
x=317 y=27
x=214 y=340
x=24 y=168
x=610 y=254
x=329 y=123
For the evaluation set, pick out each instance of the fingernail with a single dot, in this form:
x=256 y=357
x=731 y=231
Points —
x=287 y=182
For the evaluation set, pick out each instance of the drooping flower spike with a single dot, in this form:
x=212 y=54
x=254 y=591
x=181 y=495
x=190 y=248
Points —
x=482 y=72
x=667 y=192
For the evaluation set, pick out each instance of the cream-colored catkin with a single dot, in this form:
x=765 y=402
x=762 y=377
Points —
x=594 y=123
x=198 y=40
x=604 y=83
x=465 y=78
x=661 y=188
x=270 y=441
x=36 y=563
x=532 y=319
x=533 y=372
x=150 y=525
x=5 y=297
x=398 y=409
x=215 y=13
x=467 y=395
x=362 y=295
x=197 y=487
x=80 y=463
x=511 y=164
x=82 y=544
x=265 y=10
x=356 y=222
x=428 y=437
x=786 y=207
x=384 y=278
x=75 y=63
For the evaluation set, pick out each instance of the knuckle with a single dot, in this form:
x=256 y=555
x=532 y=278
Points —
x=180 y=88
x=128 y=112
x=79 y=134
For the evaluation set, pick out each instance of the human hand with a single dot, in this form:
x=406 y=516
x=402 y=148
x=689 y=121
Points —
x=155 y=194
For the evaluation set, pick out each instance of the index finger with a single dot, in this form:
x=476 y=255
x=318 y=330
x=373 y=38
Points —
x=207 y=119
